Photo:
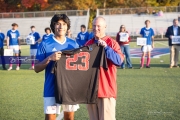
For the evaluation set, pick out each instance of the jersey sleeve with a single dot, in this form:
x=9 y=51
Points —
x=38 y=36
x=78 y=39
x=41 y=52
x=18 y=34
x=114 y=54
x=2 y=36
x=152 y=32
x=141 y=32
x=8 y=34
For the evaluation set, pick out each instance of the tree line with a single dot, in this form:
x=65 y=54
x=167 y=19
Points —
x=51 y=5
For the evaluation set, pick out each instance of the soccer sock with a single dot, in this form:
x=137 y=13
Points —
x=17 y=63
x=32 y=63
x=10 y=65
x=142 y=62
x=148 y=61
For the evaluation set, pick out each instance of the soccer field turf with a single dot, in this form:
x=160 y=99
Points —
x=143 y=94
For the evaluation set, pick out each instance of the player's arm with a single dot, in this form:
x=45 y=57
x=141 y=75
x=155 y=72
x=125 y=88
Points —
x=115 y=55
x=7 y=42
x=152 y=38
x=40 y=66
x=39 y=39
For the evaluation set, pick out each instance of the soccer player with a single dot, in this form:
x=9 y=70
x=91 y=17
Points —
x=13 y=42
x=48 y=52
x=33 y=48
x=173 y=30
x=2 y=37
x=148 y=33
x=48 y=34
x=82 y=37
x=107 y=89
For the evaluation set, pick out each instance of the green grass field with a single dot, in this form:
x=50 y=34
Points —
x=143 y=94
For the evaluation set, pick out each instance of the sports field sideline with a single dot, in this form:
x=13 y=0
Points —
x=143 y=94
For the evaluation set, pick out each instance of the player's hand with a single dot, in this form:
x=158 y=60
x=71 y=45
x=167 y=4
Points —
x=171 y=36
x=19 y=47
x=102 y=43
x=55 y=56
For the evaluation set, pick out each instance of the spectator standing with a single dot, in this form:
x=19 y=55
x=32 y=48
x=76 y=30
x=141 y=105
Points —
x=123 y=39
x=173 y=30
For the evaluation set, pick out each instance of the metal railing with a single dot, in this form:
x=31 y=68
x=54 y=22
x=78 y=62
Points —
x=138 y=10
x=43 y=14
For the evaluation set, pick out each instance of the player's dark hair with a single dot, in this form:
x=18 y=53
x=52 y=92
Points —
x=58 y=17
x=83 y=26
x=147 y=21
x=32 y=26
x=15 y=24
x=47 y=29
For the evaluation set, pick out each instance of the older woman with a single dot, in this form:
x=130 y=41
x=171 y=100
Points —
x=123 y=39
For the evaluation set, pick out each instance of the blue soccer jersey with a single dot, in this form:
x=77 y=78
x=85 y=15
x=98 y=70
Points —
x=2 y=36
x=82 y=38
x=13 y=37
x=45 y=49
x=147 y=33
x=47 y=36
x=36 y=37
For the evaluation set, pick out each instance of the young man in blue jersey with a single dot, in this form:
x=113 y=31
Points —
x=33 y=48
x=2 y=37
x=48 y=52
x=48 y=34
x=148 y=33
x=82 y=37
x=13 y=42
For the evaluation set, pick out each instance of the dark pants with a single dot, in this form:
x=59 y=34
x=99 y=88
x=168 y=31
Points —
x=2 y=57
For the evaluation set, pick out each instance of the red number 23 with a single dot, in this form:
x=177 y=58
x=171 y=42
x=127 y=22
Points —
x=71 y=65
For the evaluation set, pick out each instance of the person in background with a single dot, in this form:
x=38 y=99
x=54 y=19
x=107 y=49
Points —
x=148 y=33
x=13 y=42
x=48 y=34
x=107 y=89
x=69 y=34
x=33 y=48
x=91 y=35
x=2 y=37
x=123 y=39
x=173 y=30
x=82 y=37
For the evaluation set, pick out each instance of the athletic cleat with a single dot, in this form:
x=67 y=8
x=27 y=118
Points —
x=10 y=68
x=17 y=68
x=31 y=68
x=147 y=66
x=176 y=66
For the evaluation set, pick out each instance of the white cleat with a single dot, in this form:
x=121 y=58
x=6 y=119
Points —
x=10 y=68
x=17 y=68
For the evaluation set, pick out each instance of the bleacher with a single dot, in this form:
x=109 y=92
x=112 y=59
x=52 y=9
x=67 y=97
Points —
x=41 y=22
x=135 y=22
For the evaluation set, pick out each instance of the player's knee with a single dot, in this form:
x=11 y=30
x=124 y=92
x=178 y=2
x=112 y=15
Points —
x=68 y=115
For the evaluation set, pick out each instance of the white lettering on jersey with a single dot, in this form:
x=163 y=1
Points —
x=54 y=49
x=13 y=35
x=82 y=37
x=146 y=32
